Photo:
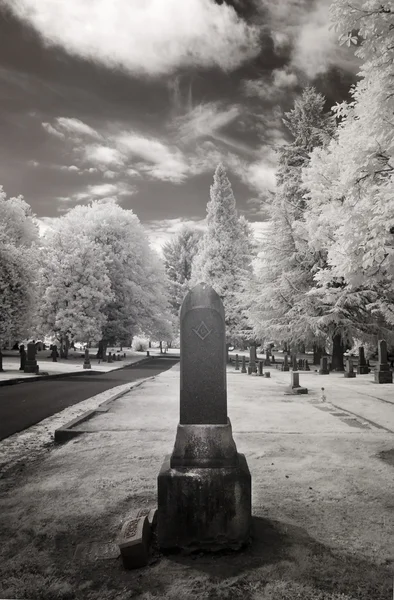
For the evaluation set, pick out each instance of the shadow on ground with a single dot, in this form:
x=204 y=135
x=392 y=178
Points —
x=282 y=563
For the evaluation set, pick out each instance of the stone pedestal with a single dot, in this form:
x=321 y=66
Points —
x=31 y=365
x=324 y=366
x=204 y=486
x=349 y=372
x=383 y=374
x=204 y=509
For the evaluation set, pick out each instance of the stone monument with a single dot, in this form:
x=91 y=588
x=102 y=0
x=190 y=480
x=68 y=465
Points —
x=324 y=366
x=252 y=358
x=349 y=371
x=204 y=486
x=31 y=365
x=362 y=367
x=383 y=374
x=86 y=360
x=22 y=354
x=243 y=370
x=286 y=362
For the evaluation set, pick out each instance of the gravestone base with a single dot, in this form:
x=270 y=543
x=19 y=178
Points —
x=363 y=370
x=349 y=374
x=383 y=376
x=204 y=446
x=296 y=390
x=205 y=509
x=324 y=372
x=31 y=367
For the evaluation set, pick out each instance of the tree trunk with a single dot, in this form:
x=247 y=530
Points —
x=161 y=347
x=318 y=352
x=285 y=348
x=102 y=350
x=150 y=344
x=337 y=353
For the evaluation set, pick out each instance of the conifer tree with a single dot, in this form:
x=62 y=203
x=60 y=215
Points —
x=283 y=311
x=224 y=257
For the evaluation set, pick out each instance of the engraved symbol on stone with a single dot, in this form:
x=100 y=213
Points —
x=202 y=331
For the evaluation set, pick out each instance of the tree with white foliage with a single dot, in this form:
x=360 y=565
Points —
x=350 y=183
x=137 y=294
x=18 y=243
x=179 y=253
x=282 y=309
x=75 y=287
x=224 y=257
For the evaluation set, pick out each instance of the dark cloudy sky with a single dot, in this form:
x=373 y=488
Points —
x=140 y=99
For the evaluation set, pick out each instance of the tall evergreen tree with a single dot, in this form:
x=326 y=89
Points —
x=282 y=309
x=224 y=258
x=350 y=183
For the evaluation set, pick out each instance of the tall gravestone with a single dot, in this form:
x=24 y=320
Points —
x=383 y=373
x=324 y=366
x=362 y=367
x=286 y=362
x=204 y=486
x=349 y=370
x=31 y=365
x=252 y=358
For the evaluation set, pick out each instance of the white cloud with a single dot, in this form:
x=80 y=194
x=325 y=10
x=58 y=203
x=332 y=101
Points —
x=103 y=155
x=164 y=162
x=75 y=126
x=205 y=120
x=48 y=127
x=69 y=168
x=109 y=174
x=102 y=189
x=153 y=37
x=33 y=163
x=284 y=79
x=304 y=26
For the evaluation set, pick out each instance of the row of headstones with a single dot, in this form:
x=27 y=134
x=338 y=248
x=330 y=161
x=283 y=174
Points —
x=28 y=360
x=383 y=373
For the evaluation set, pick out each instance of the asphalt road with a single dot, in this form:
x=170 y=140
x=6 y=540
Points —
x=25 y=404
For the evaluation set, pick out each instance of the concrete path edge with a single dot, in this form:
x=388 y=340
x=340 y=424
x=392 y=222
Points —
x=67 y=431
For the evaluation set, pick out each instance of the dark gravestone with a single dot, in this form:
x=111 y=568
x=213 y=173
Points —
x=236 y=362
x=324 y=366
x=267 y=361
x=362 y=368
x=243 y=370
x=261 y=363
x=204 y=487
x=31 y=365
x=22 y=353
x=286 y=362
x=349 y=371
x=110 y=357
x=54 y=353
x=86 y=361
x=383 y=374
x=307 y=367
x=252 y=359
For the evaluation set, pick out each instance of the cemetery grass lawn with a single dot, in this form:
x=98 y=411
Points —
x=322 y=505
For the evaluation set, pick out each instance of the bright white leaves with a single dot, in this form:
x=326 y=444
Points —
x=18 y=237
x=107 y=282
